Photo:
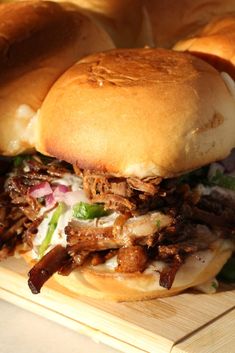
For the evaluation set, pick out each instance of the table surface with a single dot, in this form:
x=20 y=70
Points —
x=22 y=331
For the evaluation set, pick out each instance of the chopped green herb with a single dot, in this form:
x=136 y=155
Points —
x=228 y=271
x=18 y=160
x=51 y=228
x=158 y=223
x=214 y=285
x=83 y=210
x=225 y=181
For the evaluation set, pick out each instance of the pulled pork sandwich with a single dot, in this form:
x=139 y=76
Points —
x=39 y=40
x=136 y=197
x=214 y=43
x=173 y=20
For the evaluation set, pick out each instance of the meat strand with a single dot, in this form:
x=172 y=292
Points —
x=82 y=238
x=225 y=219
x=132 y=259
x=120 y=194
x=46 y=267
x=167 y=275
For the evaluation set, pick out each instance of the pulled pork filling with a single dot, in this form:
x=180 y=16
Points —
x=70 y=218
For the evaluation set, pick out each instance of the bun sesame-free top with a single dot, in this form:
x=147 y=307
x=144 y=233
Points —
x=39 y=40
x=139 y=112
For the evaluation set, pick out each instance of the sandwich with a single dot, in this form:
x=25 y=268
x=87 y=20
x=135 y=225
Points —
x=126 y=21
x=214 y=43
x=173 y=20
x=39 y=40
x=131 y=193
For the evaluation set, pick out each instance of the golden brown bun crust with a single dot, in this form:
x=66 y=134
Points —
x=139 y=112
x=39 y=40
x=214 y=43
x=173 y=20
x=100 y=283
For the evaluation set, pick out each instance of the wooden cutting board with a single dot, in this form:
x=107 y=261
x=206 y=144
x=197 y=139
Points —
x=190 y=322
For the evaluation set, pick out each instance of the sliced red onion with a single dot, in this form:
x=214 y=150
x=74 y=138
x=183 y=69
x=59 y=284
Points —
x=50 y=201
x=59 y=192
x=61 y=188
x=40 y=190
x=73 y=197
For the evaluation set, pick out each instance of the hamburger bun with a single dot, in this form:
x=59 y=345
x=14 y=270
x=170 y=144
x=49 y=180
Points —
x=104 y=283
x=173 y=20
x=126 y=21
x=214 y=44
x=139 y=112
x=39 y=40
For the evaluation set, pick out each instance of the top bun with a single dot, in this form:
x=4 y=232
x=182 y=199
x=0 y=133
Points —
x=124 y=20
x=39 y=40
x=214 y=43
x=173 y=20
x=139 y=112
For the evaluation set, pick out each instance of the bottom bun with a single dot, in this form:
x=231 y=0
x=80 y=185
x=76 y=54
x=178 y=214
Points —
x=104 y=282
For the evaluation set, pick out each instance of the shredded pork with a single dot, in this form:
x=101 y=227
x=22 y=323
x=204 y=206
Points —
x=189 y=221
x=46 y=267
x=121 y=194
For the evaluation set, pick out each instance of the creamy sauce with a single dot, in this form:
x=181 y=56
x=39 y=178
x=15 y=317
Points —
x=72 y=180
x=24 y=111
x=59 y=236
x=209 y=287
x=134 y=227
x=208 y=190
x=23 y=131
x=27 y=118
x=190 y=271
x=193 y=262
